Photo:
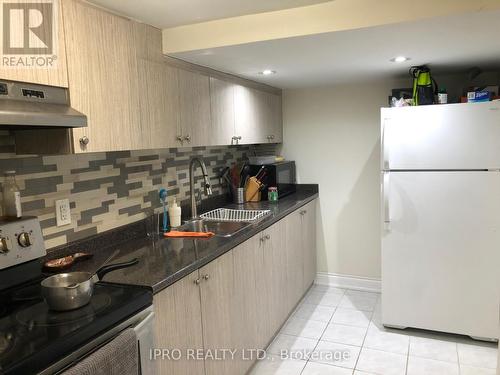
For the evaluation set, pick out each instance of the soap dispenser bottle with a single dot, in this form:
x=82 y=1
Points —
x=174 y=213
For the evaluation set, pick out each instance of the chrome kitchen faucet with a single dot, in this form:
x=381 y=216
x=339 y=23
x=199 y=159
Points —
x=208 y=188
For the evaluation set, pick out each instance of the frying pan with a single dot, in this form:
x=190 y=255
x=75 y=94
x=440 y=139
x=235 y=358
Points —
x=69 y=291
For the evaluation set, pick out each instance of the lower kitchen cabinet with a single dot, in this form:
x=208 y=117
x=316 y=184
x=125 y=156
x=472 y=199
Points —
x=294 y=259
x=250 y=325
x=219 y=311
x=300 y=242
x=178 y=325
x=308 y=213
x=240 y=300
x=275 y=277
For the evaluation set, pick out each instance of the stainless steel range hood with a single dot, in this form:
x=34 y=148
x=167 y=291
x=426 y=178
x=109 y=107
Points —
x=28 y=106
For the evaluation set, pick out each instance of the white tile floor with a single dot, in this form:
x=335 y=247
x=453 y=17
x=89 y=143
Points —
x=335 y=331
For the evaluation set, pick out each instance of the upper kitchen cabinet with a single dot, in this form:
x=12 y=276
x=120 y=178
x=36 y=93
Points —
x=148 y=42
x=276 y=119
x=222 y=110
x=257 y=116
x=103 y=79
x=194 y=109
x=159 y=103
x=52 y=75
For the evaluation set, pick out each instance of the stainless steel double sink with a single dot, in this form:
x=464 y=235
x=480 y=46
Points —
x=224 y=222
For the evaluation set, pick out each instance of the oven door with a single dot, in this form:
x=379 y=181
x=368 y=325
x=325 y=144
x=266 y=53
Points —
x=142 y=323
x=145 y=338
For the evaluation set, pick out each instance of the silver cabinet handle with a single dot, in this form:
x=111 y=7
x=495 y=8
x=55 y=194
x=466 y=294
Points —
x=84 y=141
x=197 y=281
x=180 y=139
x=236 y=138
x=187 y=138
x=265 y=237
x=206 y=277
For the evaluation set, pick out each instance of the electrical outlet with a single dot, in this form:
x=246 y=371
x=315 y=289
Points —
x=63 y=212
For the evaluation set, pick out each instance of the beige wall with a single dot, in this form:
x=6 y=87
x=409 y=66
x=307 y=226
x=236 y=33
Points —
x=333 y=134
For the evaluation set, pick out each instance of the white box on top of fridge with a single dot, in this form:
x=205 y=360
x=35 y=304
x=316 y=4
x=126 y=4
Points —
x=441 y=218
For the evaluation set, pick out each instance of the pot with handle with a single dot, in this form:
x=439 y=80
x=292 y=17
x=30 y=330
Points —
x=69 y=291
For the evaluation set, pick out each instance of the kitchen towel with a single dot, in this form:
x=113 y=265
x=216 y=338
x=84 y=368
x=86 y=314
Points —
x=118 y=357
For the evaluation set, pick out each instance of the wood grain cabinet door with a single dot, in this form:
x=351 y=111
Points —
x=309 y=243
x=247 y=115
x=294 y=259
x=275 y=119
x=274 y=255
x=178 y=326
x=234 y=307
x=194 y=108
x=251 y=301
x=102 y=75
x=257 y=116
x=219 y=313
x=222 y=111
x=159 y=103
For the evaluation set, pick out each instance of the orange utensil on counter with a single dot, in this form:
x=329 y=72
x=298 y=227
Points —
x=177 y=234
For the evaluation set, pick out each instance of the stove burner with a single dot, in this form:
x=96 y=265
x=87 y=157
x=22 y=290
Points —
x=39 y=315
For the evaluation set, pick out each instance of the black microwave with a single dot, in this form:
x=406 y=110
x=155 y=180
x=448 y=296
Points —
x=280 y=175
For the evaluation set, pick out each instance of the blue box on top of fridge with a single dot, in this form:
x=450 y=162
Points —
x=478 y=96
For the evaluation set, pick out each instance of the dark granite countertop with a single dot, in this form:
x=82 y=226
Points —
x=162 y=261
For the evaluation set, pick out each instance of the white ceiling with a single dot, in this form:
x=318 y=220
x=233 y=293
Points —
x=446 y=44
x=169 y=13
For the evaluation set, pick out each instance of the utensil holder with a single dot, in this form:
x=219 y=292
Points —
x=252 y=191
x=239 y=195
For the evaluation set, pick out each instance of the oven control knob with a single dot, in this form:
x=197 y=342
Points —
x=3 y=245
x=24 y=239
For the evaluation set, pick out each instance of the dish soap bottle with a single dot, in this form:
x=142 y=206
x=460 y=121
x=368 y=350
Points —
x=174 y=213
x=11 y=196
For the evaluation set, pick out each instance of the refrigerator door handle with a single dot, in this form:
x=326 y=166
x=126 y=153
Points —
x=385 y=150
x=387 y=211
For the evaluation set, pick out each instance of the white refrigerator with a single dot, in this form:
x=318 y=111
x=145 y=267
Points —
x=440 y=200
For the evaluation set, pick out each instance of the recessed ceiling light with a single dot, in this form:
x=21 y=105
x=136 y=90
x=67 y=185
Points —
x=400 y=59
x=267 y=72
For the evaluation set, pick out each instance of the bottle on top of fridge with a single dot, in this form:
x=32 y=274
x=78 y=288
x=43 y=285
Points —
x=11 y=196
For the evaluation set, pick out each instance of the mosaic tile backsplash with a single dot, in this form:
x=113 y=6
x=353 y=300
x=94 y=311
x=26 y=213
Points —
x=107 y=189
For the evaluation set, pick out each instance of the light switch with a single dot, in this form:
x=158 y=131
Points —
x=63 y=212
